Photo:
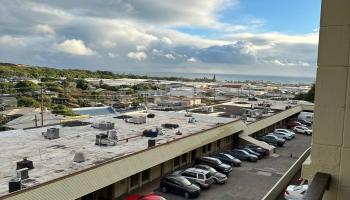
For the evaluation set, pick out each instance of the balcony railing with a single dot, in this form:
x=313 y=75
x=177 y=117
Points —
x=318 y=186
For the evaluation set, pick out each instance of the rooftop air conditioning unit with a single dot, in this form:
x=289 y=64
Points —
x=112 y=135
x=22 y=173
x=52 y=133
x=192 y=120
x=102 y=140
x=15 y=184
x=79 y=157
x=25 y=164
x=151 y=143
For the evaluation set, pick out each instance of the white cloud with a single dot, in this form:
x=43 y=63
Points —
x=192 y=59
x=113 y=55
x=11 y=41
x=290 y=63
x=170 y=56
x=75 y=47
x=166 y=40
x=44 y=29
x=141 y=48
x=139 y=55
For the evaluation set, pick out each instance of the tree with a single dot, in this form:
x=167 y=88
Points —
x=310 y=95
x=63 y=110
x=26 y=86
x=6 y=88
x=24 y=101
x=82 y=84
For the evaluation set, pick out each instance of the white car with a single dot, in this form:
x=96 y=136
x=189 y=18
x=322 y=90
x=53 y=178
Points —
x=303 y=130
x=295 y=192
x=281 y=130
x=282 y=135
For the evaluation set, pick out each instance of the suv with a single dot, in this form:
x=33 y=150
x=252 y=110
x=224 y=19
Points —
x=179 y=185
x=281 y=130
x=218 y=177
x=243 y=155
x=228 y=159
x=272 y=139
x=197 y=176
x=215 y=163
x=282 y=135
x=303 y=130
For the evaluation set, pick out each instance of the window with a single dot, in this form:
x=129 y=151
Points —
x=204 y=149
x=177 y=161
x=201 y=176
x=209 y=147
x=189 y=174
x=146 y=175
x=218 y=143
x=134 y=180
x=184 y=158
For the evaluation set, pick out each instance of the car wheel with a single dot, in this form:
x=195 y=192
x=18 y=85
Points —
x=187 y=195
x=164 y=190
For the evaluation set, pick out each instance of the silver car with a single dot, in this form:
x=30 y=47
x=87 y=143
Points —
x=202 y=178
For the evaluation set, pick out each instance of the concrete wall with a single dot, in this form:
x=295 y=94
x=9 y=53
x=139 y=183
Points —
x=330 y=151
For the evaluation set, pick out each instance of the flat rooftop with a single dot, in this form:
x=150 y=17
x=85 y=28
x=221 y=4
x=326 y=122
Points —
x=54 y=158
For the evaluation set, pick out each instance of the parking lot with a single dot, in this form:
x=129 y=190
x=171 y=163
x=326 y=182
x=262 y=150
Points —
x=253 y=180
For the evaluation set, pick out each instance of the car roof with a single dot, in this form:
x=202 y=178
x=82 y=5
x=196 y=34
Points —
x=192 y=169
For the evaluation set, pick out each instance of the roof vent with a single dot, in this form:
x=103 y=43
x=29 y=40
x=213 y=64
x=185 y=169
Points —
x=51 y=133
x=22 y=173
x=192 y=120
x=79 y=157
x=25 y=164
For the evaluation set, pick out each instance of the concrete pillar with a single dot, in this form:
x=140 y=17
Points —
x=330 y=150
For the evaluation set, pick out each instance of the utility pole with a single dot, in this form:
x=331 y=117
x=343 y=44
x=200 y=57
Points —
x=42 y=105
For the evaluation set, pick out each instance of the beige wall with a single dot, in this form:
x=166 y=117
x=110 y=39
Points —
x=330 y=151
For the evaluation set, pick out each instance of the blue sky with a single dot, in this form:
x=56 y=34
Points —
x=267 y=37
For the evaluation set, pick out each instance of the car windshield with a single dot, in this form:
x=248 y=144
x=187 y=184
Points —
x=229 y=156
x=218 y=161
x=208 y=175
x=183 y=180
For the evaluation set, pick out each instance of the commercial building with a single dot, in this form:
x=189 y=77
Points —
x=110 y=171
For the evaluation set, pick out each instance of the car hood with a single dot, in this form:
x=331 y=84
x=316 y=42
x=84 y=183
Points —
x=225 y=166
x=193 y=188
x=219 y=175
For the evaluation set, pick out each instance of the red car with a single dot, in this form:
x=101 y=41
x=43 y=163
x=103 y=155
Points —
x=145 y=197
x=293 y=123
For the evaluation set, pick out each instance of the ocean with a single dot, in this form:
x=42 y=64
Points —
x=234 y=77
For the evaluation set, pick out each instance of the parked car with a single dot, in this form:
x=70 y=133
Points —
x=215 y=163
x=295 y=192
x=179 y=185
x=305 y=122
x=243 y=155
x=272 y=139
x=252 y=152
x=200 y=177
x=292 y=124
x=262 y=151
x=218 y=177
x=228 y=159
x=285 y=131
x=303 y=130
x=145 y=197
x=282 y=135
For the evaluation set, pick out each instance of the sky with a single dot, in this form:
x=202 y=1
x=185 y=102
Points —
x=269 y=37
